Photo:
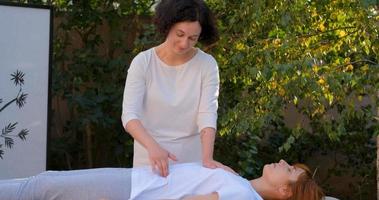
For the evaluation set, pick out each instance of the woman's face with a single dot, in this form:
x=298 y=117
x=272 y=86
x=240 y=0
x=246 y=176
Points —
x=281 y=173
x=183 y=36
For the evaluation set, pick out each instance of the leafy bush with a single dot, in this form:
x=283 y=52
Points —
x=320 y=57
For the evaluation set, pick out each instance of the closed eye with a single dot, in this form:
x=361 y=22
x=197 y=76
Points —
x=193 y=38
x=179 y=33
x=291 y=169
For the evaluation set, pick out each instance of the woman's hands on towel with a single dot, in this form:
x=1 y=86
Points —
x=158 y=157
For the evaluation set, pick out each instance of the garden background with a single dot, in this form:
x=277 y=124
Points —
x=299 y=80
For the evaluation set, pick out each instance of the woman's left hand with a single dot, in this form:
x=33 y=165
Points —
x=212 y=164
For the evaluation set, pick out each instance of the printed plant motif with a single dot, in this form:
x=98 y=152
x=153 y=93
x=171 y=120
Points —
x=6 y=137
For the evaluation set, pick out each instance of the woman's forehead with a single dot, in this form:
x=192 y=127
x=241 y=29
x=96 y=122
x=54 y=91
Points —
x=188 y=27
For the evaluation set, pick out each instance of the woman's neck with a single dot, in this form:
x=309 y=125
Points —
x=262 y=188
x=171 y=58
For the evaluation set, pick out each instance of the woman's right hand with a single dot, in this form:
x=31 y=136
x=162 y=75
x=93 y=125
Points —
x=158 y=157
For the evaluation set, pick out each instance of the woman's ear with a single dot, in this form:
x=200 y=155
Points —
x=285 y=192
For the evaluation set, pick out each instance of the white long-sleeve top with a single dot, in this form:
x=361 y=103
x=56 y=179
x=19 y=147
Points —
x=173 y=103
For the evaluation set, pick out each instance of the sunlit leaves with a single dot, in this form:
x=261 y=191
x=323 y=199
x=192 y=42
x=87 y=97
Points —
x=314 y=55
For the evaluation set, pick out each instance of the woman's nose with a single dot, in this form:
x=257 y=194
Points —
x=282 y=162
x=184 y=43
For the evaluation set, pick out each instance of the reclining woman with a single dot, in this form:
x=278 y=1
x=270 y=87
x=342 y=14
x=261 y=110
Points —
x=189 y=181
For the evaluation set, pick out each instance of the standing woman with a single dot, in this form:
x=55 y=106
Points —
x=170 y=97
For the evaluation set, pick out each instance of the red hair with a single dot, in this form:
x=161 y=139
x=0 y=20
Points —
x=305 y=187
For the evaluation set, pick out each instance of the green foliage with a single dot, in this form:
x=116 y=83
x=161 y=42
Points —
x=320 y=57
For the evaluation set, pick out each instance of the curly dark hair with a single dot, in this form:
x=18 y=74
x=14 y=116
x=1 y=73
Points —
x=170 y=12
